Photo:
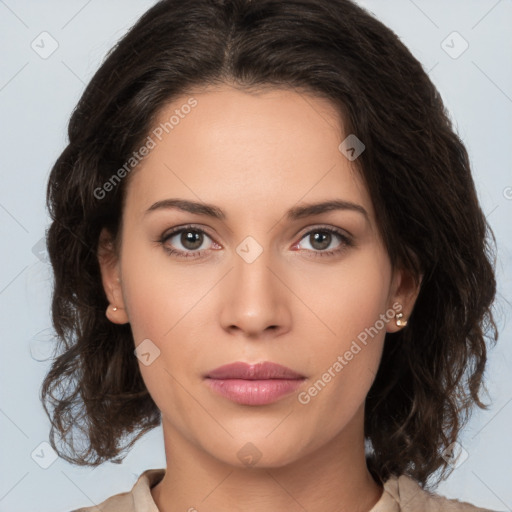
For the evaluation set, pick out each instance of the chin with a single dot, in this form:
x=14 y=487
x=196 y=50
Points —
x=260 y=453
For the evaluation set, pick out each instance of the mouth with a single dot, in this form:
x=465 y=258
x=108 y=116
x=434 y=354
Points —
x=254 y=384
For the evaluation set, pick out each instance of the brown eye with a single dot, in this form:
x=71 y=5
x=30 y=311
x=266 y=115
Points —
x=322 y=239
x=191 y=240
x=186 y=242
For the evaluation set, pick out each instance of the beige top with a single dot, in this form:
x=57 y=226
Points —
x=401 y=494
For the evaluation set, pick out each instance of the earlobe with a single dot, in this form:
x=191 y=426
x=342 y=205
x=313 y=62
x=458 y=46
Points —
x=110 y=275
x=406 y=288
x=116 y=314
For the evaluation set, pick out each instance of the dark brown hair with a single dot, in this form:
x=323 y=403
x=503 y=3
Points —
x=414 y=165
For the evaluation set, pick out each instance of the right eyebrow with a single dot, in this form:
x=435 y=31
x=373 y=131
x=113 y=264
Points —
x=188 y=206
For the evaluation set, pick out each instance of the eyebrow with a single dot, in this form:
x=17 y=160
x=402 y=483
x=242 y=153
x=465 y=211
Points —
x=295 y=213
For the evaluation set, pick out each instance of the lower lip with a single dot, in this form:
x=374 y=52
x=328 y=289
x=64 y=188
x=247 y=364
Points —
x=254 y=392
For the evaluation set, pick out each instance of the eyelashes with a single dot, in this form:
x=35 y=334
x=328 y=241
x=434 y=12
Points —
x=197 y=237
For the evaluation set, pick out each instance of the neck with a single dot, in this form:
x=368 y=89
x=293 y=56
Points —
x=332 y=478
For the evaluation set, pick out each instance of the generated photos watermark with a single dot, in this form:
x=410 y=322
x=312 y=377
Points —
x=150 y=142
x=304 y=397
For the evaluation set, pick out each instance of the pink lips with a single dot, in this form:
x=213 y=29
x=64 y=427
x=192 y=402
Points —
x=256 y=384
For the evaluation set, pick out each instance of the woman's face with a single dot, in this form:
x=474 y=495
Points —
x=258 y=281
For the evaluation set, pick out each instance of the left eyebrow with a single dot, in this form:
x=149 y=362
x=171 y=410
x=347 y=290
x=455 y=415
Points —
x=299 y=212
x=295 y=213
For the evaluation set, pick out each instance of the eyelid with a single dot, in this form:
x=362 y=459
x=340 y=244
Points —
x=178 y=229
x=327 y=227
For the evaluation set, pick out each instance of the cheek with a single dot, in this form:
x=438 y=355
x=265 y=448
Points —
x=348 y=299
x=161 y=314
x=346 y=364
x=157 y=293
x=164 y=306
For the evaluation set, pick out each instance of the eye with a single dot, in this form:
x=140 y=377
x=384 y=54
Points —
x=191 y=239
x=320 y=239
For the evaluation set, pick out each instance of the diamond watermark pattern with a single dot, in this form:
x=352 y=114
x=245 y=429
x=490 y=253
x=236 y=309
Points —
x=249 y=249
x=455 y=455
x=147 y=352
x=44 y=455
x=454 y=45
x=40 y=252
x=249 y=454
x=44 y=45
x=351 y=147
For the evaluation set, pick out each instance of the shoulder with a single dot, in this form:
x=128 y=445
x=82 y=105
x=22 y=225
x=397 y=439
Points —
x=410 y=496
x=138 y=499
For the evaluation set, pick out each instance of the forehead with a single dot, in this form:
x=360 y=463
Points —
x=257 y=152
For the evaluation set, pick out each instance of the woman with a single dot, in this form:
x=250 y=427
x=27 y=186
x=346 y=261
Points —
x=266 y=237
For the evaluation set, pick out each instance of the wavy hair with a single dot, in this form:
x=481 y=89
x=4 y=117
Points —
x=416 y=170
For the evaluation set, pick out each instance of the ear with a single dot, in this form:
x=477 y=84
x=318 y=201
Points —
x=404 y=291
x=111 y=278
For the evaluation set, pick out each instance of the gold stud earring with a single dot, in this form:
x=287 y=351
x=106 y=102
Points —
x=399 y=321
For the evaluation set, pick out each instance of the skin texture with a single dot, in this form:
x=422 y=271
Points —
x=255 y=155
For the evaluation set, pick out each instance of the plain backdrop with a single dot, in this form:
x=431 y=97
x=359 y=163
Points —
x=49 y=51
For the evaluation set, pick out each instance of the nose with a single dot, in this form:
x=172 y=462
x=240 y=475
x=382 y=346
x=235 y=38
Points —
x=256 y=299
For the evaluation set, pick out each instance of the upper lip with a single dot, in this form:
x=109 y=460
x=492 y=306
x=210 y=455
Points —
x=247 y=371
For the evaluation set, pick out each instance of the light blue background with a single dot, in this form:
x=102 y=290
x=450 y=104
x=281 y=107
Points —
x=36 y=98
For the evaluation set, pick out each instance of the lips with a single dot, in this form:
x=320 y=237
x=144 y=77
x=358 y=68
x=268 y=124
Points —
x=259 y=371
x=254 y=384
